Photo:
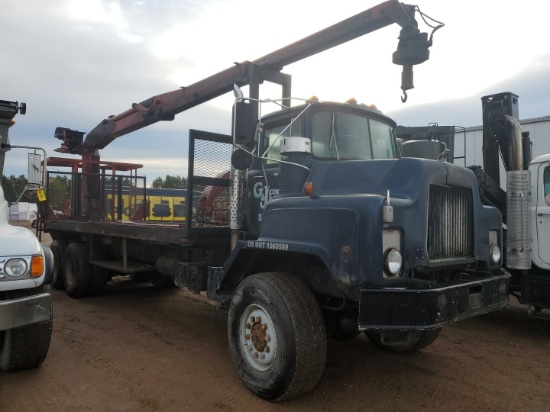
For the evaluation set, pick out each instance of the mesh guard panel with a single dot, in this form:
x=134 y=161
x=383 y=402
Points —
x=208 y=180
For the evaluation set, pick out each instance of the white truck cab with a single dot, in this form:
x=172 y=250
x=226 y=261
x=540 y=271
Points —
x=26 y=268
x=540 y=211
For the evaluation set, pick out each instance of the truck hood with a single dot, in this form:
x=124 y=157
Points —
x=405 y=177
x=15 y=240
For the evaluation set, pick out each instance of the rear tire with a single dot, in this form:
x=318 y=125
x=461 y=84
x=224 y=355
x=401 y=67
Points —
x=58 y=248
x=78 y=270
x=403 y=342
x=25 y=347
x=277 y=336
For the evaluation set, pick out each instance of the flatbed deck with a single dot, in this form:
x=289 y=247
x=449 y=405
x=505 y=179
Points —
x=168 y=233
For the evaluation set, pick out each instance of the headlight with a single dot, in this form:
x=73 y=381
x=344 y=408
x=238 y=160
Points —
x=495 y=254
x=393 y=262
x=15 y=267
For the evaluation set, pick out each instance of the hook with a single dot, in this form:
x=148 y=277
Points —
x=404 y=97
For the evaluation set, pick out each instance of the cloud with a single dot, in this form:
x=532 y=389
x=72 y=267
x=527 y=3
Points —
x=530 y=84
x=75 y=63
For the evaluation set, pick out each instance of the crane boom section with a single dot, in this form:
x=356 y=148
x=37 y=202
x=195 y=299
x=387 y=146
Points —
x=165 y=106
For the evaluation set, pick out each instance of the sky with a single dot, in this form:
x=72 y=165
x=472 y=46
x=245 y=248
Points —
x=75 y=62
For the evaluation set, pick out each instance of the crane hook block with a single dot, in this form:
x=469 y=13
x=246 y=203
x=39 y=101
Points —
x=412 y=49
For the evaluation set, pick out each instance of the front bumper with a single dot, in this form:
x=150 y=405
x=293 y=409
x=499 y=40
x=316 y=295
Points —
x=24 y=311
x=409 y=309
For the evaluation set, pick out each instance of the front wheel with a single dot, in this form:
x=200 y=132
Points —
x=25 y=347
x=403 y=341
x=277 y=336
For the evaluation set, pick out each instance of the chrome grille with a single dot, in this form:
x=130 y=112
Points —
x=450 y=223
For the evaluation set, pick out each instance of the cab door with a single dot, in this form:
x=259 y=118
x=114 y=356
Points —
x=263 y=176
x=542 y=215
x=261 y=187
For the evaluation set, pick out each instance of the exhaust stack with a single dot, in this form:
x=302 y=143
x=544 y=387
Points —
x=518 y=187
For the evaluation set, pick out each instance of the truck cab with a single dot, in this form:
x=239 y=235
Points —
x=26 y=268
x=535 y=287
x=337 y=133
x=385 y=243
x=540 y=211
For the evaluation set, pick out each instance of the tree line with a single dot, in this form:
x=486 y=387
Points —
x=60 y=187
x=13 y=187
x=170 y=182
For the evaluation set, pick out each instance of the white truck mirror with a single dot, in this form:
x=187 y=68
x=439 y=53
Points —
x=34 y=175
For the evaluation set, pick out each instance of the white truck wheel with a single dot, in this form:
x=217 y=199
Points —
x=25 y=347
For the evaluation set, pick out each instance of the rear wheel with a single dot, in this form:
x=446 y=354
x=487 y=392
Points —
x=58 y=248
x=25 y=347
x=403 y=341
x=277 y=336
x=78 y=270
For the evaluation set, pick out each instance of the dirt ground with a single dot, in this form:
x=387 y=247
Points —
x=137 y=348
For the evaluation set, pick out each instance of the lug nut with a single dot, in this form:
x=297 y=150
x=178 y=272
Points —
x=248 y=326
x=247 y=336
x=267 y=338
x=258 y=319
x=267 y=349
x=255 y=354
x=252 y=319
x=264 y=326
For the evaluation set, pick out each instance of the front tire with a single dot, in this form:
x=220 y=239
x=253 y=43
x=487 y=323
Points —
x=25 y=347
x=277 y=336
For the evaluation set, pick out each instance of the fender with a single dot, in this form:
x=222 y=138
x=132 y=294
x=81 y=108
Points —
x=329 y=235
x=48 y=264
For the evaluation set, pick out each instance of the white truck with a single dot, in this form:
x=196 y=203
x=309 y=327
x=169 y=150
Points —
x=26 y=269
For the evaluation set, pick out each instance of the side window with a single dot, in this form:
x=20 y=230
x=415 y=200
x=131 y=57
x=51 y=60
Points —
x=382 y=141
x=547 y=185
x=321 y=135
x=273 y=135
x=272 y=142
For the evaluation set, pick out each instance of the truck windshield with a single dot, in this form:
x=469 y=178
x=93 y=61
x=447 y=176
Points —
x=345 y=136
